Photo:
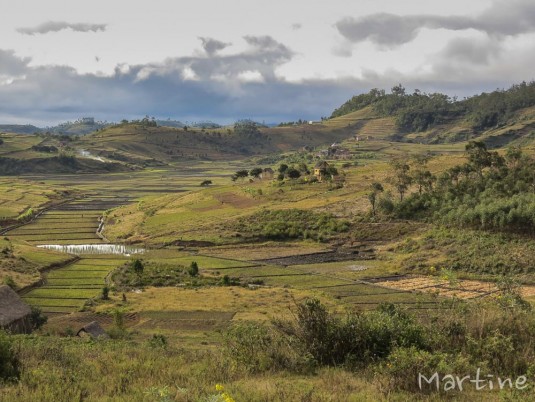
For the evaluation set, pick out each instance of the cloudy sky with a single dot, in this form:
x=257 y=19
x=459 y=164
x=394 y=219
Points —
x=272 y=61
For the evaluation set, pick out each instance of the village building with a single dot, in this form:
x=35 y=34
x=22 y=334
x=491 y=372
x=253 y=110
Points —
x=92 y=330
x=320 y=170
x=267 y=174
x=343 y=154
x=14 y=313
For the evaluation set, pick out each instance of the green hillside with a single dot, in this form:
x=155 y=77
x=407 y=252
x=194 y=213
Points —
x=498 y=118
x=139 y=143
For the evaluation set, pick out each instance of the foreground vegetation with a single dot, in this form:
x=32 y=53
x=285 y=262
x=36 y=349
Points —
x=375 y=355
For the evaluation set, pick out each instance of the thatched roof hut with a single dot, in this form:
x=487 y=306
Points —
x=14 y=313
x=94 y=330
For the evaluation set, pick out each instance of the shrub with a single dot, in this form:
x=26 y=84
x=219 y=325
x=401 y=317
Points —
x=9 y=360
x=9 y=281
x=193 y=269
x=158 y=341
x=37 y=318
x=357 y=340
x=255 y=348
x=404 y=365
x=291 y=224
x=137 y=267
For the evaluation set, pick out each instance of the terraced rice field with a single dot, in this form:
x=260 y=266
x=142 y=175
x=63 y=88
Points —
x=66 y=289
x=333 y=281
x=76 y=223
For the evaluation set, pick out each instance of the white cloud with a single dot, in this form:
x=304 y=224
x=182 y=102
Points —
x=56 y=26
x=250 y=76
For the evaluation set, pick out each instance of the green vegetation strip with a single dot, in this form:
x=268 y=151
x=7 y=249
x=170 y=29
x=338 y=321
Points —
x=62 y=293
x=206 y=262
x=76 y=273
x=302 y=281
x=259 y=271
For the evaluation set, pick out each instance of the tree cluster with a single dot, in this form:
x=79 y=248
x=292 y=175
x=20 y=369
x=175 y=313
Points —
x=490 y=191
x=420 y=111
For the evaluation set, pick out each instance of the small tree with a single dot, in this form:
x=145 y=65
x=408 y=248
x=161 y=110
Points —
x=37 y=319
x=241 y=174
x=205 y=183
x=293 y=173
x=376 y=188
x=138 y=267
x=331 y=171
x=255 y=172
x=193 y=269
x=401 y=178
x=105 y=293
x=283 y=168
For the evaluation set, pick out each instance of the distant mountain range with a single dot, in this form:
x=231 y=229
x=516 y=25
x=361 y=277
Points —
x=88 y=125
x=19 y=129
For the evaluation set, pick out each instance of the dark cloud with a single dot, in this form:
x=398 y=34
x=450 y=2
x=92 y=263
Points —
x=503 y=18
x=211 y=46
x=12 y=65
x=262 y=57
x=56 y=26
x=214 y=88
x=473 y=51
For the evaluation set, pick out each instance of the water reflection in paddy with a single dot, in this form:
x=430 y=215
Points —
x=94 y=249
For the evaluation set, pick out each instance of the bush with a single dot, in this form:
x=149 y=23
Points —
x=357 y=340
x=37 y=319
x=9 y=360
x=404 y=365
x=254 y=348
x=193 y=269
x=9 y=281
x=137 y=267
x=291 y=224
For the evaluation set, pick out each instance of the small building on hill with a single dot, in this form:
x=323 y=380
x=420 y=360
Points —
x=267 y=174
x=14 y=313
x=320 y=170
x=93 y=330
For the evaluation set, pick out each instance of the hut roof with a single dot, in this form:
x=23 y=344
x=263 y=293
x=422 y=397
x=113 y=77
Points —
x=321 y=165
x=94 y=330
x=268 y=170
x=12 y=308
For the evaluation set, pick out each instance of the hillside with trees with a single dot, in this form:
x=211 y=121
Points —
x=419 y=112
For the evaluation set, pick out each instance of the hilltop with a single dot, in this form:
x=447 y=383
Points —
x=19 y=129
x=499 y=118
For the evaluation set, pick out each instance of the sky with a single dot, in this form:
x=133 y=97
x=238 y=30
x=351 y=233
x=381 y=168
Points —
x=271 y=61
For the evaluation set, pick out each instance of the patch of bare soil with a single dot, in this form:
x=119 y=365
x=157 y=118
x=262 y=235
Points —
x=236 y=200
x=463 y=289
x=75 y=321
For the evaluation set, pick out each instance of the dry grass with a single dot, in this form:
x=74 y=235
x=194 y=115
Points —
x=251 y=304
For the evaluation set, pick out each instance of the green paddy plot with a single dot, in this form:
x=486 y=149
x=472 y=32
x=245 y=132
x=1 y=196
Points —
x=60 y=227
x=349 y=269
x=203 y=262
x=370 y=296
x=258 y=271
x=66 y=289
x=300 y=281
